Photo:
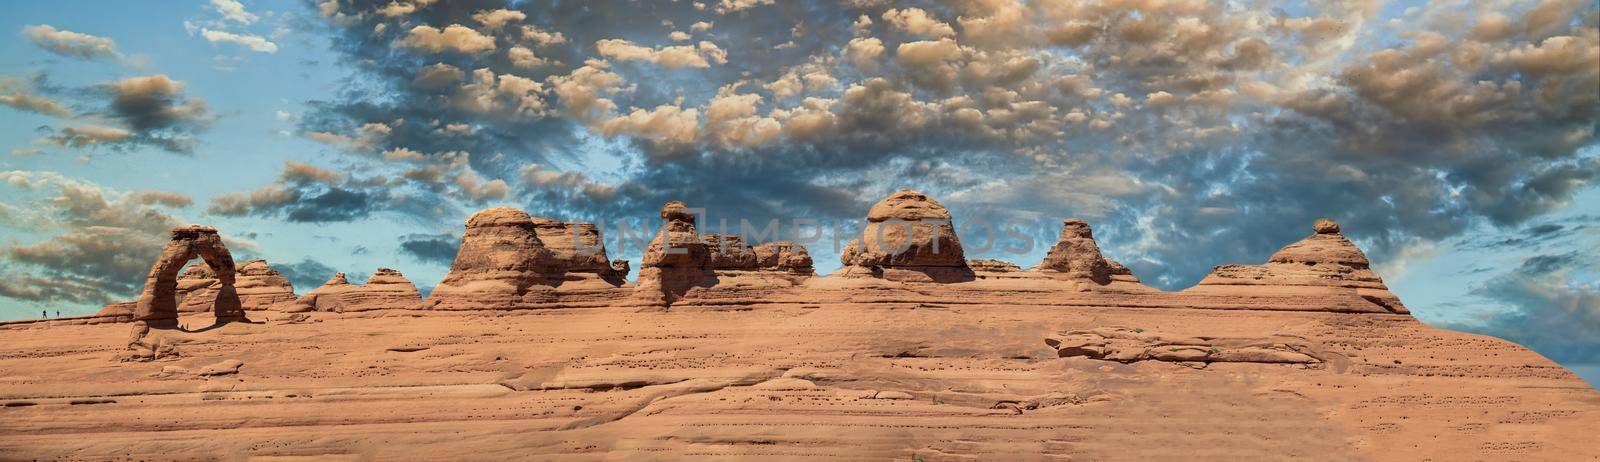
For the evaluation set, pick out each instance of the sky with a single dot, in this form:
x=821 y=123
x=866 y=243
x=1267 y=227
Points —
x=1454 y=140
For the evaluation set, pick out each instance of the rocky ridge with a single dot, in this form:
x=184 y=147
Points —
x=536 y=356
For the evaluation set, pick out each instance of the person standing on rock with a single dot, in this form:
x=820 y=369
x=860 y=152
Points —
x=44 y=314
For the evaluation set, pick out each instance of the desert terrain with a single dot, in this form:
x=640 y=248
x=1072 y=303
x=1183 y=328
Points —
x=532 y=351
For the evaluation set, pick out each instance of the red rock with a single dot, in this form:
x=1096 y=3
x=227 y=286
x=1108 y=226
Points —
x=783 y=256
x=1076 y=255
x=996 y=266
x=501 y=263
x=909 y=236
x=729 y=251
x=386 y=289
x=1325 y=267
x=676 y=259
x=158 y=300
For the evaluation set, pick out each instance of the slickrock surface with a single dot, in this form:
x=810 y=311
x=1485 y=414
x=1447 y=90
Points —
x=909 y=237
x=386 y=289
x=791 y=378
x=1304 y=357
x=1325 y=269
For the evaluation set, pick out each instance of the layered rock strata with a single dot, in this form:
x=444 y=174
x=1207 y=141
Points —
x=510 y=260
x=1325 y=269
x=578 y=250
x=502 y=263
x=386 y=289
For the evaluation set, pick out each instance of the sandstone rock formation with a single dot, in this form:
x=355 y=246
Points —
x=158 y=300
x=1325 y=267
x=1286 y=360
x=993 y=266
x=504 y=262
x=259 y=287
x=578 y=249
x=500 y=263
x=909 y=236
x=783 y=256
x=729 y=252
x=1132 y=345
x=676 y=259
x=1076 y=255
x=386 y=289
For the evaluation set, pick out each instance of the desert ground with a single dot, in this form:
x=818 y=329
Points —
x=530 y=351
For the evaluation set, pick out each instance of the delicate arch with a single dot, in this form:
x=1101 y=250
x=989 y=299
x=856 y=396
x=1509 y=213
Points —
x=159 y=299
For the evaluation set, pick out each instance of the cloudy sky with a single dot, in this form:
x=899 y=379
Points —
x=1456 y=140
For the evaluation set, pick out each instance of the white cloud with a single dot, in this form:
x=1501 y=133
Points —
x=917 y=21
x=232 y=10
x=454 y=37
x=699 y=56
x=69 y=43
x=253 y=42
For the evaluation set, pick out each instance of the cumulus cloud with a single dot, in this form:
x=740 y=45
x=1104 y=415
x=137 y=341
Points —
x=99 y=244
x=306 y=274
x=497 y=19
x=1554 y=309
x=455 y=37
x=1192 y=133
x=253 y=42
x=732 y=6
x=234 y=11
x=431 y=248
x=700 y=55
x=917 y=21
x=18 y=94
x=70 y=44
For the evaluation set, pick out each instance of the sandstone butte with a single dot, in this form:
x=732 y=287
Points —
x=536 y=347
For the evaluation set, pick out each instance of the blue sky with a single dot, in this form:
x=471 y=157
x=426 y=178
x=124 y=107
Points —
x=1455 y=141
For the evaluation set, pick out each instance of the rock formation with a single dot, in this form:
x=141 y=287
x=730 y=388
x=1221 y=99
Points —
x=262 y=288
x=501 y=263
x=729 y=252
x=1133 y=345
x=1076 y=255
x=909 y=236
x=993 y=266
x=676 y=259
x=578 y=249
x=783 y=256
x=1325 y=268
x=158 y=300
x=1302 y=357
x=386 y=289
x=259 y=287
x=509 y=259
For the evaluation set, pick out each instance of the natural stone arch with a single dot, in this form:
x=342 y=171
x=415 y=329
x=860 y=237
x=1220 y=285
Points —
x=159 y=299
